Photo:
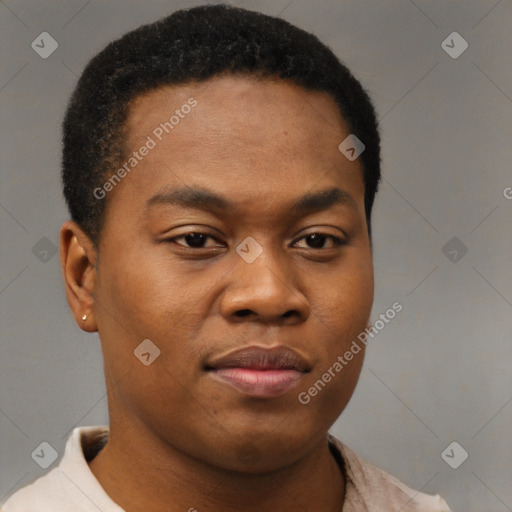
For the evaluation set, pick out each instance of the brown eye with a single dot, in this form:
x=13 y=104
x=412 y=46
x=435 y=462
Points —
x=193 y=240
x=318 y=240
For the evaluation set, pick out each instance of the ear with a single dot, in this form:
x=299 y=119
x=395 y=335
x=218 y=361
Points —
x=78 y=261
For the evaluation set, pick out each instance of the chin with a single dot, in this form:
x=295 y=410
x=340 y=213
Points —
x=265 y=452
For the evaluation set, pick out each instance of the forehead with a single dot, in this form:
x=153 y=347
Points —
x=253 y=94
x=256 y=139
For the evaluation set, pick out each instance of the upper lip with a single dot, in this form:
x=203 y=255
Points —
x=261 y=358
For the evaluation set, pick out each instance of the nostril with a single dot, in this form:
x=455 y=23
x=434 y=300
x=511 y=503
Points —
x=243 y=312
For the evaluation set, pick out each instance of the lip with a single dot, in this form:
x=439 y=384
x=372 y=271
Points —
x=260 y=372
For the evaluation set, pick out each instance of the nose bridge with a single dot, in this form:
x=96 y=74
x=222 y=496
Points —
x=262 y=286
x=265 y=273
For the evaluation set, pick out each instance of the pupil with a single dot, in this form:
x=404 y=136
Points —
x=316 y=241
x=195 y=239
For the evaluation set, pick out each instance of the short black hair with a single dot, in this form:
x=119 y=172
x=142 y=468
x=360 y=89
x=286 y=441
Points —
x=194 y=45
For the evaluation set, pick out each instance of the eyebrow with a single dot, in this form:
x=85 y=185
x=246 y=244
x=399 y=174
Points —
x=203 y=199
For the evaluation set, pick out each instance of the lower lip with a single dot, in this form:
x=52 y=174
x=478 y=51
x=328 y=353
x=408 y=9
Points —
x=259 y=383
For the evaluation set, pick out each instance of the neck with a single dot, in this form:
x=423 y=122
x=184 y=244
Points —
x=154 y=478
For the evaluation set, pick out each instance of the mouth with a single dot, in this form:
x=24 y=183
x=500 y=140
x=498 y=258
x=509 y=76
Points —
x=260 y=372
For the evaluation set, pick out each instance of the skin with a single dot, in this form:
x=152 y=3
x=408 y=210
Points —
x=179 y=439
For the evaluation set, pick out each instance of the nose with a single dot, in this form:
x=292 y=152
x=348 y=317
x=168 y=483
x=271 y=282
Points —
x=264 y=291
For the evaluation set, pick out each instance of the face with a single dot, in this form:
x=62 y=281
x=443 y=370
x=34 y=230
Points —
x=241 y=226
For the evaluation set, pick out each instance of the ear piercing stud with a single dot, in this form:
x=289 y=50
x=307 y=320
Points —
x=84 y=317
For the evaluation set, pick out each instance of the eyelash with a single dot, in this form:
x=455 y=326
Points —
x=336 y=240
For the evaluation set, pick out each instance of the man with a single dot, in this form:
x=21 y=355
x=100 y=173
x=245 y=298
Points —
x=220 y=168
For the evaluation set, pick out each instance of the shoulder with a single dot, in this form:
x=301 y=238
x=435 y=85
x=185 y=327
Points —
x=35 y=496
x=376 y=490
x=70 y=486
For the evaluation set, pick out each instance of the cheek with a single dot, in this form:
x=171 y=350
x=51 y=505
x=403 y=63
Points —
x=342 y=313
x=140 y=298
x=139 y=301
x=141 y=292
x=345 y=300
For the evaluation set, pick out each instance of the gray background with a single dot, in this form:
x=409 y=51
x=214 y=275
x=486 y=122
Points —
x=439 y=372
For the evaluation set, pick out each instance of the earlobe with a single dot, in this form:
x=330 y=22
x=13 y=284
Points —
x=78 y=262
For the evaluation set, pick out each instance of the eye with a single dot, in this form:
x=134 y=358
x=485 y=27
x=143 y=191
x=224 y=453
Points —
x=317 y=241
x=197 y=240
x=194 y=240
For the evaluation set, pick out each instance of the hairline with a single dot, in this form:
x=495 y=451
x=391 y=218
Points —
x=123 y=133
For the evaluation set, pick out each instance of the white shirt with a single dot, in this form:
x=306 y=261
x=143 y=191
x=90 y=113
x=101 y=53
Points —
x=72 y=487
